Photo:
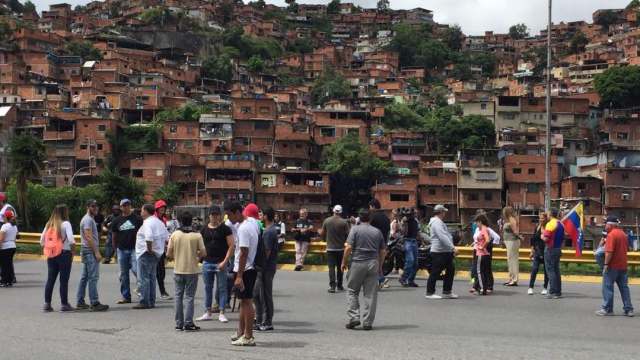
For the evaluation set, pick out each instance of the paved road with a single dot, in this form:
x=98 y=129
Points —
x=310 y=325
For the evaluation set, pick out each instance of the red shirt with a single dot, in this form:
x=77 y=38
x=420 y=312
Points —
x=617 y=245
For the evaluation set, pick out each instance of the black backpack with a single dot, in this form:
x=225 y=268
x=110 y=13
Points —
x=260 y=261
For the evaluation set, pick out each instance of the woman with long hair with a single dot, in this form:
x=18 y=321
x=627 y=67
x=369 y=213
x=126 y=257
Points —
x=482 y=241
x=8 y=233
x=511 y=239
x=537 y=255
x=58 y=242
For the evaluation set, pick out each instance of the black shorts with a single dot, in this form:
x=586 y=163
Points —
x=249 y=280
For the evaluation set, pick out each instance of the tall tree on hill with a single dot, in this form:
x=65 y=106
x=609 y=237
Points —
x=354 y=171
x=27 y=155
x=333 y=7
x=383 y=5
x=619 y=87
x=454 y=37
x=29 y=7
x=330 y=85
x=518 y=31
x=578 y=42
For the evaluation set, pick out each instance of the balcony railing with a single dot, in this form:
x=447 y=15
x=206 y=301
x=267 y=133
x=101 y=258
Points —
x=229 y=184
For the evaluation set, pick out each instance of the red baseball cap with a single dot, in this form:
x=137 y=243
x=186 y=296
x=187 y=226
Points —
x=251 y=210
x=9 y=214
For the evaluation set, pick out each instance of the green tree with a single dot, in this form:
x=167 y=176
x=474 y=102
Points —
x=433 y=54
x=400 y=116
x=405 y=42
x=606 y=19
x=292 y=6
x=518 y=31
x=330 y=85
x=218 y=67
x=634 y=4
x=84 y=49
x=26 y=154
x=255 y=64
x=115 y=187
x=383 y=5
x=5 y=31
x=333 y=7
x=258 y=4
x=578 y=42
x=448 y=132
x=29 y=7
x=354 y=170
x=300 y=46
x=619 y=87
x=169 y=192
x=453 y=37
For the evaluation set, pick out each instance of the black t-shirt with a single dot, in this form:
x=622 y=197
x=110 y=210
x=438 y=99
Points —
x=99 y=219
x=381 y=222
x=125 y=229
x=215 y=241
x=303 y=224
x=412 y=228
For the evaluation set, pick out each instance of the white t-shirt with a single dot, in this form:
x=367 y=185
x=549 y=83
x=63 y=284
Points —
x=67 y=232
x=234 y=228
x=10 y=231
x=248 y=235
x=153 y=230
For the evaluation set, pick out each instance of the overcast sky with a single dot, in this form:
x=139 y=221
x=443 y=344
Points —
x=475 y=16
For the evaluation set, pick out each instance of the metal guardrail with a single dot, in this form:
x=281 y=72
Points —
x=464 y=252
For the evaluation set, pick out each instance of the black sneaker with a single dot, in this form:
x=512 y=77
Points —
x=66 y=308
x=141 y=307
x=47 y=308
x=331 y=290
x=82 y=306
x=367 y=327
x=412 y=284
x=256 y=326
x=179 y=328
x=191 y=327
x=352 y=324
x=106 y=261
x=266 y=328
x=99 y=307
x=340 y=288
x=298 y=268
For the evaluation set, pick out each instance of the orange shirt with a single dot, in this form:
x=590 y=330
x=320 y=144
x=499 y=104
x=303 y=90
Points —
x=617 y=244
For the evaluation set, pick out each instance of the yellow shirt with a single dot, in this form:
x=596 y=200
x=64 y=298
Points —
x=186 y=249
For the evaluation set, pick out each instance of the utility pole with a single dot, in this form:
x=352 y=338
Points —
x=547 y=153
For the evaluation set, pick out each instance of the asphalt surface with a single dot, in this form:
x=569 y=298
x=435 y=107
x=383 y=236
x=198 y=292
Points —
x=310 y=325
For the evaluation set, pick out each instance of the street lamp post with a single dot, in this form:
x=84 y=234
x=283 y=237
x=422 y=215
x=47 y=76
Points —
x=547 y=153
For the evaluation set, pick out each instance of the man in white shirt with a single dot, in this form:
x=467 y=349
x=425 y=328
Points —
x=246 y=248
x=150 y=244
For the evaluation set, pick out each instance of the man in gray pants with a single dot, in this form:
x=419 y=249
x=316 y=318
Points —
x=366 y=247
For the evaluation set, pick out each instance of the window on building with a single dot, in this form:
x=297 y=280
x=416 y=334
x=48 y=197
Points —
x=261 y=125
x=488 y=196
x=532 y=171
x=432 y=191
x=554 y=117
x=328 y=132
x=582 y=186
x=136 y=173
x=626 y=196
x=298 y=146
x=99 y=146
x=625 y=176
x=188 y=144
x=487 y=175
x=466 y=172
x=102 y=127
x=434 y=172
x=517 y=171
x=245 y=109
x=473 y=197
x=173 y=129
x=83 y=146
x=483 y=106
x=353 y=132
x=622 y=136
x=241 y=141
x=398 y=197
x=533 y=188
x=264 y=110
x=206 y=143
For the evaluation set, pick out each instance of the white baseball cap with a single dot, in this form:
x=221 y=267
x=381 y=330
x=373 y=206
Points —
x=440 y=208
x=337 y=209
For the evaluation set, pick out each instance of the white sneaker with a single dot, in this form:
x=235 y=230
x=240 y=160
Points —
x=205 y=317
x=222 y=318
x=530 y=291
x=450 y=296
x=433 y=297
x=243 y=341
x=544 y=292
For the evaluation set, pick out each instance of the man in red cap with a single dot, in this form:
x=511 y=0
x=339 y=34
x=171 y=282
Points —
x=161 y=213
x=4 y=207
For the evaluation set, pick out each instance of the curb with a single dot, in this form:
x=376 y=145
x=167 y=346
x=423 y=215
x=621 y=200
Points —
x=460 y=275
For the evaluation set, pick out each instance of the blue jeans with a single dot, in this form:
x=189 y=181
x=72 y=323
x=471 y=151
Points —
x=186 y=286
x=599 y=255
x=410 y=260
x=619 y=277
x=552 y=265
x=127 y=262
x=211 y=273
x=147 y=264
x=90 y=276
x=108 y=247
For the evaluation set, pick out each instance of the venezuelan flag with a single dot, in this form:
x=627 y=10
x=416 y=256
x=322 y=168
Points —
x=574 y=225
